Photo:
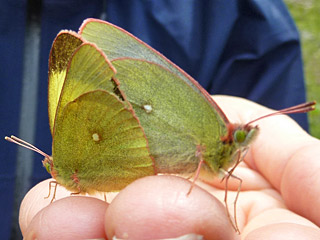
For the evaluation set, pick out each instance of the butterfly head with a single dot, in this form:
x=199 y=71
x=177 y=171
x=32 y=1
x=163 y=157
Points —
x=240 y=135
x=244 y=135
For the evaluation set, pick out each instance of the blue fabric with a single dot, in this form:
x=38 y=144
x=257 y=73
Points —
x=247 y=48
x=11 y=51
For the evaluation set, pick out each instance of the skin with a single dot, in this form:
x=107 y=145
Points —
x=279 y=198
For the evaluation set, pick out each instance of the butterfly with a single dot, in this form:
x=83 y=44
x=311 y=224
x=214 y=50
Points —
x=119 y=110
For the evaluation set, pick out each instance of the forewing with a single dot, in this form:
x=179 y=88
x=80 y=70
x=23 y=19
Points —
x=115 y=42
x=62 y=49
x=88 y=70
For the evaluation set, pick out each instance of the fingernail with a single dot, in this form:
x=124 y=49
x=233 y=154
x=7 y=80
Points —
x=95 y=239
x=190 y=236
x=30 y=236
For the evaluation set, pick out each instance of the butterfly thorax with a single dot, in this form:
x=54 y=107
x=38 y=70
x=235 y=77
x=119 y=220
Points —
x=229 y=149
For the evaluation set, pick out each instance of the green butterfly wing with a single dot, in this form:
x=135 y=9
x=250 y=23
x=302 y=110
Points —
x=99 y=145
x=115 y=42
x=177 y=114
x=175 y=118
x=88 y=70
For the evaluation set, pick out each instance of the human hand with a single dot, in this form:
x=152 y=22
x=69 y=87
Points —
x=278 y=199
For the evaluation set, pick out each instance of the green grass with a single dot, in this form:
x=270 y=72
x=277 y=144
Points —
x=306 y=14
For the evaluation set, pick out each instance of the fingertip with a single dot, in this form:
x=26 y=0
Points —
x=75 y=217
x=37 y=199
x=158 y=207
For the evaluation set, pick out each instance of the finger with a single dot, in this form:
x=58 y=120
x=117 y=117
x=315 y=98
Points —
x=284 y=231
x=158 y=207
x=251 y=180
x=75 y=217
x=285 y=155
x=289 y=159
x=37 y=199
x=279 y=139
x=280 y=224
x=301 y=182
x=262 y=216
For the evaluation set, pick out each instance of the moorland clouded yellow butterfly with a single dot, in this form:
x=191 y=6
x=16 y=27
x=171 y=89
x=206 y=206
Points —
x=119 y=110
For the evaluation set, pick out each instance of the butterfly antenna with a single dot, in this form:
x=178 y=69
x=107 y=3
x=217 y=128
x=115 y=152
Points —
x=301 y=108
x=25 y=144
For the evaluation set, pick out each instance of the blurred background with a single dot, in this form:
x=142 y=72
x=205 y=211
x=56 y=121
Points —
x=306 y=14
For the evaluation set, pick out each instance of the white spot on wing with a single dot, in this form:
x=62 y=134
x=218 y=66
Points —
x=96 y=137
x=147 y=108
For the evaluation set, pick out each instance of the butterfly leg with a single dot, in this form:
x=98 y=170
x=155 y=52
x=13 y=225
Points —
x=201 y=161
x=55 y=189
x=76 y=193
x=234 y=224
x=75 y=178
x=239 y=155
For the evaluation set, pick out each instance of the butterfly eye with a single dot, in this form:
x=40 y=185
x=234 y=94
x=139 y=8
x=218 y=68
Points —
x=240 y=136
